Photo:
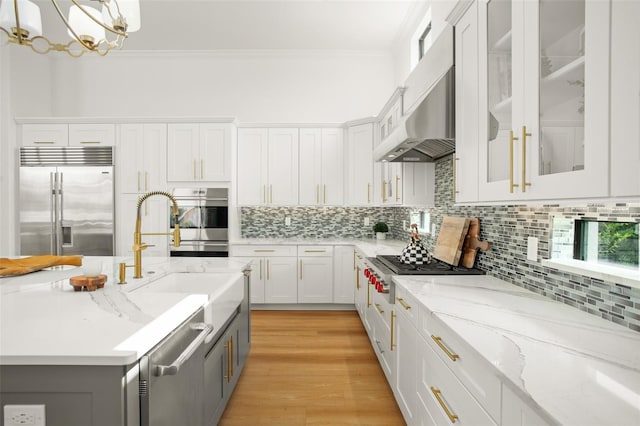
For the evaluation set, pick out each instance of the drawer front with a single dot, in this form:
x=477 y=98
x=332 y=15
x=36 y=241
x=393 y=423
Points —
x=456 y=355
x=445 y=398
x=45 y=134
x=263 y=250
x=321 y=251
x=407 y=305
x=381 y=307
x=92 y=134
x=380 y=340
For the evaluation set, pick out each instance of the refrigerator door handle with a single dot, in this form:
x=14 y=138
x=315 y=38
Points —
x=53 y=186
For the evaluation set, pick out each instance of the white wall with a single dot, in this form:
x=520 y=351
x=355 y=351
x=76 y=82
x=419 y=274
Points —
x=290 y=87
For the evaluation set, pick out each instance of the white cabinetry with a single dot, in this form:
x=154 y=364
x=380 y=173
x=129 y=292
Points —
x=419 y=184
x=406 y=309
x=465 y=159
x=321 y=167
x=141 y=153
x=315 y=274
x=344 y=278
x=382 y=320
x=625 y=99
x=273 y=272
x=543 y=123
x=199 y=152
x=267 y=166
x=68 y=134
x=390 y=183
x=516 y=413
x=360 y=189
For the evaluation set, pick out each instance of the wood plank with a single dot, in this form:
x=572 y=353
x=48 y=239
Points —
x=453 y=231
x=311 y=368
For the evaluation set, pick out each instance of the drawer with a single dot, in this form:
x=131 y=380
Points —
x=381 y=307
x=45 y=134
x=472 y=371
x=318 y=251
x=263 y=250
x=443 y=395
x=92 y=134
x=407 y=305
x=381 y=341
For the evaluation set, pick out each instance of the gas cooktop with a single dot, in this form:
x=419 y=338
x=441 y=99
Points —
x=435 y=267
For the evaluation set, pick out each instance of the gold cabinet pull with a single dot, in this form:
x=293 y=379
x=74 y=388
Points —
x=397 y=188
x=271 y=194
x=524 y=159
x=437 y=393
x=231 y=357
x=318 y=194
x=146 y=181
x=90 y=142
x=264 y=194
x=451 y=355
x=368 y=193
x=368 y=295
x=324 y=194
x=195 y=170
x=393 y=325
x=268 y=269
x=227 y=346
x=511 y=139
x=403 y=303
x=315 y=251
x=201 y=168
x=44 y=142
x=263 y=250
x=139 y=180
x=379 y=308
x=300 y=268
x=358 y=277
x=261 y=269
x=384 y=191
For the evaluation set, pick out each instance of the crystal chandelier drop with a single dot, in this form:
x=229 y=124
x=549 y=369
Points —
x=90 y=29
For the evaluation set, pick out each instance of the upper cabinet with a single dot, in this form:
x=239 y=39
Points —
x=142 y=157
x=321 y=167
x=543 y=99
x=360 y=188
x=267 y=166
x=68 y=134
x=199 y=152
x=625 y=99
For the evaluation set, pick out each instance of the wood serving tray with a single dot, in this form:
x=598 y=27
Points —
x=82 y=282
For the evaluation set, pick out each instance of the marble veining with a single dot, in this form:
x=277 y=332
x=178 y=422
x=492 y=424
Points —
x=576 y=368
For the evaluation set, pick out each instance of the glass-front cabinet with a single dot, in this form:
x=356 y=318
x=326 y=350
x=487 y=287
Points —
x=544 y=100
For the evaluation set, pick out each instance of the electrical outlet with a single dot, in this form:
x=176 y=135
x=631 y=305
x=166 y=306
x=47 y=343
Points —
x=287 y=221
x=532 y=249
x=366 y=221
x=24 y=415
x=404 y=224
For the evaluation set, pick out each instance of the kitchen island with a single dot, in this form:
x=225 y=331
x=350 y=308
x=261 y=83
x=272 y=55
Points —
x=78 y=352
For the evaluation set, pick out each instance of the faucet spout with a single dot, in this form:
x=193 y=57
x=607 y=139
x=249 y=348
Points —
x=138 y=245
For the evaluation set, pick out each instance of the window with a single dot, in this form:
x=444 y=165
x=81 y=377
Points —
x=423 y=41
x=611 y=243
x=422 y=218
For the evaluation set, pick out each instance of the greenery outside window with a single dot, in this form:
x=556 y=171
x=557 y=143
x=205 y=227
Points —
x=610 y=243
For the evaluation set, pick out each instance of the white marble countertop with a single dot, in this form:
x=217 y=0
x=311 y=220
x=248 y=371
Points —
x=576 y=368
x=43 y=321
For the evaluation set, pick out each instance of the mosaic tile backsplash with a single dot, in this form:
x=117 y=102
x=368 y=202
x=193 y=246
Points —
x=505 y=227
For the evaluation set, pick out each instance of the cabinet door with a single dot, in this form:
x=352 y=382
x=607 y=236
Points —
x=183 y=151
x=252 y=166
x=406 y=357
x=311 y=165
x=45 y=134
x=419 y=184
x=344 y=278
x=215 y=381
x=465 y=161
x=360 y=165
x=282 y=157
x=625 y=99
x=215 y=152
x=155 y=218
x=154 y=160
x=315 y=280
x=281 y=281
x=130 y=158
x=92 y=134
x=332 y=167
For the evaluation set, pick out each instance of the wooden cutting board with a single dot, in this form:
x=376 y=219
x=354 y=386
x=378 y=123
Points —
x=472 y=244
x=453 y=231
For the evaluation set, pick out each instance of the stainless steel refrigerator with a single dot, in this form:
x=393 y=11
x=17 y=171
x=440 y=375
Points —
x=66 y=201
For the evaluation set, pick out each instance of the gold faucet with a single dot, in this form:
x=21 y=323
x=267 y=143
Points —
x=138 y=245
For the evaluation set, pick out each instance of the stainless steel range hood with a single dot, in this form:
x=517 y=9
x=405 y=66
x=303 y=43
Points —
x=428 y=132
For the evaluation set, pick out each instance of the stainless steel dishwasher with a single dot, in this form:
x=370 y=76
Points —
x=171 y=377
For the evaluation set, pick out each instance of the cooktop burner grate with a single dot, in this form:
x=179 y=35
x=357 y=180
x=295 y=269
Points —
x=435 y=267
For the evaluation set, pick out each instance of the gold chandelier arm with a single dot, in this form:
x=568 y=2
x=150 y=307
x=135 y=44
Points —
x=19 y=29
x=106 y=27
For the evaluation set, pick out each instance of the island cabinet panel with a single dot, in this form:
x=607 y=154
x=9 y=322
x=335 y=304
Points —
x=72 y=395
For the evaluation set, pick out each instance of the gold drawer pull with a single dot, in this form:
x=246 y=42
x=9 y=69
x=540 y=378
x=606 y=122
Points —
x=446 y=350
x=437 y=393
x=44 y=142
x=315 y=251
x=263 y=251
x=379 y=308
x=403 y=303
x=393 y=325
x=89 y=142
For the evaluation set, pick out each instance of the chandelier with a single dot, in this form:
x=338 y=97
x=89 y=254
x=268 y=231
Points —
x=90 y=29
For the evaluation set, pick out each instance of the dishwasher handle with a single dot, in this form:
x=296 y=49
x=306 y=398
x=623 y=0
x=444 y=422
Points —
x=172 y=370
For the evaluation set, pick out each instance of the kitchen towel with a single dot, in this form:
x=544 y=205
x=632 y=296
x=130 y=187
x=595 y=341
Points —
x=25 y=265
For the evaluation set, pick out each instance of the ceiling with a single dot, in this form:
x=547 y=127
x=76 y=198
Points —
x=360 y=25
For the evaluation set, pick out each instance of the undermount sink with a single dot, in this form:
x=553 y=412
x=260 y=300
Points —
x=224 y=290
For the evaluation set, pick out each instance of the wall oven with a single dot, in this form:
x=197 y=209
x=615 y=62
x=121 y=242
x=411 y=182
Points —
x=204 y=219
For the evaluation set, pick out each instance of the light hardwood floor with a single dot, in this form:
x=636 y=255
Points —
x=311 y=368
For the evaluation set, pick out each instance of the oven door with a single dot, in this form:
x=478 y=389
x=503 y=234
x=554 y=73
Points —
x=189 y=218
